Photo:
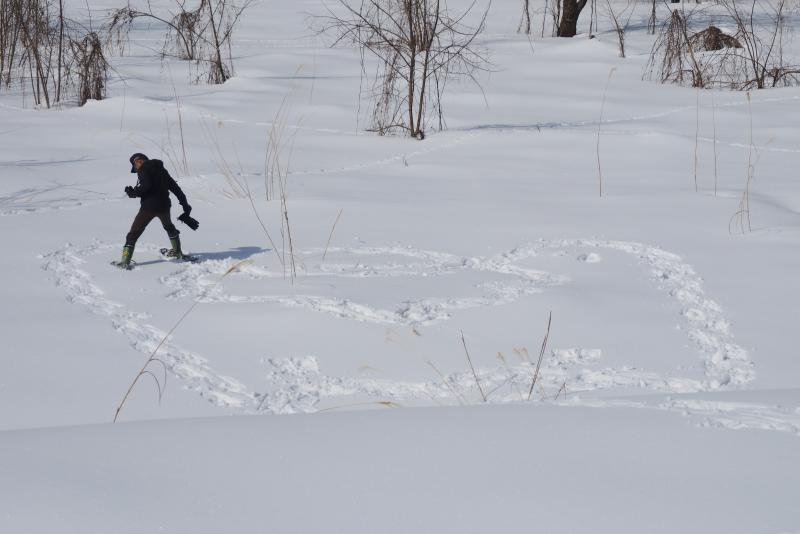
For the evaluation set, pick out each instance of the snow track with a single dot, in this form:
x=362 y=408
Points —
x=726 y=363
x=194 y=370
x=390 y=159
x=194 y=282
x=738 y=415
x=298 y=385
x=49 y=198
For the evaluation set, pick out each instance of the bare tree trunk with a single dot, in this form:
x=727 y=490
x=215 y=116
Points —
x=5 y=29
x=35 y=56
x=525 y=22
x=420 y=45
x=544 y=16
x=430 y=34
x=570 y=11
x=60 y=47
x=220 y=76
x=412 y=67
x=651 y=23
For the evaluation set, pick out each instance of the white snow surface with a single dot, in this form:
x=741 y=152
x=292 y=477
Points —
x=387 y=387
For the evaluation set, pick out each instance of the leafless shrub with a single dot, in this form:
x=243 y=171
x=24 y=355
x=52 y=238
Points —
x=55 y=57
x=29 y=45
x=188 y=26
x=202 y=34
x=785 y=76
x=90 y=67
x=278 y=158
x=673 y=58
x=419 y=45
x=621 y=20
x=761 y=36
x=751 y=58
x=179 y=38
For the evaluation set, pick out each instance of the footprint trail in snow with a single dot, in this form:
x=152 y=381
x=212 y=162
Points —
x=299 y=385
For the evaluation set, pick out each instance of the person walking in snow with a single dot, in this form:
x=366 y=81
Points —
x=153 y=188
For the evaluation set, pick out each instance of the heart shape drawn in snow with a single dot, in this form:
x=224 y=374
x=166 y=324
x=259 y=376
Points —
x=497 y=280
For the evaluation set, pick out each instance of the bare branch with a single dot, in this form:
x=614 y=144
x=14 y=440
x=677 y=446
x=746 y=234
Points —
x=418 y=44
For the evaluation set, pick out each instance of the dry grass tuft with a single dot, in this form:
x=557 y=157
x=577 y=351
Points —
x=599 y=126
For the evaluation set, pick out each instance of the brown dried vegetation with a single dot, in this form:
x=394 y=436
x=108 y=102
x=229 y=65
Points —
x=52 y=56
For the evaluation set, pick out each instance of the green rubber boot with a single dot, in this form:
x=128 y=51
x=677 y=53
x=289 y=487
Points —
x=127 y=256
x=175 y=251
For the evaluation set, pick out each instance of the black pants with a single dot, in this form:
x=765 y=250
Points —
x=141 y=221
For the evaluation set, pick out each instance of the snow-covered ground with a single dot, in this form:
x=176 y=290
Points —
x=668 y=398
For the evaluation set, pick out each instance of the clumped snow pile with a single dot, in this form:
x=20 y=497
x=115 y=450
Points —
x=385 y=334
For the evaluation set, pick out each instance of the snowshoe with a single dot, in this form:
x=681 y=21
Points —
x=170 y=254
x=125 y=265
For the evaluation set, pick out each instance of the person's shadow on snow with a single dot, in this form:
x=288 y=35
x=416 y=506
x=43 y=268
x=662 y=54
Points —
x=238 y=253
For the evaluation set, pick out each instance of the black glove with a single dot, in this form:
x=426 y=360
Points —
x=130 y=192
x=187 y=209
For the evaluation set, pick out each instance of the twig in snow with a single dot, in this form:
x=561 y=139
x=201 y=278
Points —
x=714 y=123
x=447 y=383
x=599 y=125
x=562 y=388
x=696 y=137
x=331 y=234
x=541 y=356
x=469 y=360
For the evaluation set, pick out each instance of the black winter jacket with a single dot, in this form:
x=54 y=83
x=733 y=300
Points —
x=154 y=187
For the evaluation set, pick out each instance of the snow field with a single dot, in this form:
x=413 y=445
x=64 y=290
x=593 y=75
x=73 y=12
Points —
x=667 y=399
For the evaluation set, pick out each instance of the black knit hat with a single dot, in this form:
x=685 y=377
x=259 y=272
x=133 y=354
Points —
x=136 y=156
